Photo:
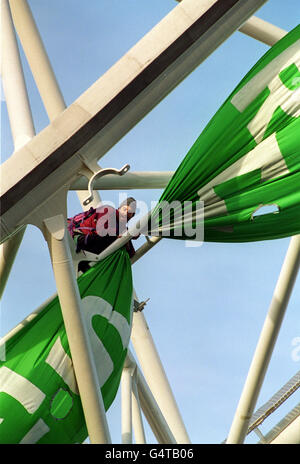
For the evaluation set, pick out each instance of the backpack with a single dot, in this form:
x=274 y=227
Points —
x=78 y=225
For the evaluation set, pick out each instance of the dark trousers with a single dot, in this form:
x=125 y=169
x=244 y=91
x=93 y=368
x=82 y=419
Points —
x=96 y=244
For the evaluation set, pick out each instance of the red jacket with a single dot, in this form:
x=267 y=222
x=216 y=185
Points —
x=105 y=223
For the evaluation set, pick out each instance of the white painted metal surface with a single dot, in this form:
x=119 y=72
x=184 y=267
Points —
x=126 y=405
x=17 y=100
x=262 y=30
x=276 y=311
x=13 y=82
x=137 y=420
x=104 y=113
x=34 y=159
x=19 y=112
x=151 y=410
x=41 y=69
x=289 y=436
x=131 y=180
x=287 y=431
x=37 y=57
x=156 y=378
x=266 y=343
x=70 y=302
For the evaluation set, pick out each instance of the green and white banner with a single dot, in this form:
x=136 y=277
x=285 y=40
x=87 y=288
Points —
x=247 y=157
x=39 y=399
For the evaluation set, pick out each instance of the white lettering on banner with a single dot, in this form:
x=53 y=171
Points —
x=261 y=80
x=103 y=362
x=59 y=360
x=120 y=323
x=35 y=433
x=30 y=396
x=266 y=156
x=280 y=95
x=92 y=306
x=21 y=389
x=114 y=317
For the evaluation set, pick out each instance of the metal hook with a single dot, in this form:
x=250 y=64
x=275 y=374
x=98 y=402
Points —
x=101 y=173
x=139 y=306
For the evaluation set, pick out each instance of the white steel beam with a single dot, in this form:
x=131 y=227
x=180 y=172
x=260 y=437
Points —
x=254 y=27
x=266 y=343
x=290 y=435
x=257 y=28
x=130 y=180
x=150 y=408
x=37 y=57
x=137 y=420
x=126 y=405
x=115 y=103
x=66 y=283
x=275 y=402
x=17 y=100
x=287 y=431
x=19 y=113
x=153 y=414
x=156 y=378
x=41 y=69
x=262 y=30
x=145 y=248
x=13 y=82
x=82 y=358
x=147 y=402
x=269 y=333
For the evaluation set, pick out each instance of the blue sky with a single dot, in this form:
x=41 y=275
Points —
x=208 y=304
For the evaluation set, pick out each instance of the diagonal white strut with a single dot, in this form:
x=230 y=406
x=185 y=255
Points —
x=16 y=96
x=82 y=357
x=262 y=30
x=115 y=103
x=21 y=123
x=41 y=67
x=266 y=343
x=52 y=97
x=156 y=378
x=93 y=145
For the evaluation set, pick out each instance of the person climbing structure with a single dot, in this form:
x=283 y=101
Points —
x=95 y=230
